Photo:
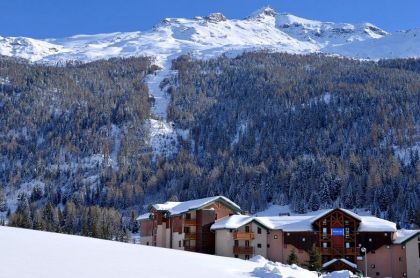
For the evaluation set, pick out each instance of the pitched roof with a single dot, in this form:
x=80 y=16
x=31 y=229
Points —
x=346 y=211
x=236 y=221
x=145 y=216
x=286 y=223
x=176 y=208
x=337 y=260
x=375 y=224
x=405 y=235
x=304 y=222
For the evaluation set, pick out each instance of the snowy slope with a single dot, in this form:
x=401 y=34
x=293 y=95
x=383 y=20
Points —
x=399 y=44
x=28 y=253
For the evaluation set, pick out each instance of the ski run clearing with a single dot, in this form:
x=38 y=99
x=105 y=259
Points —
x=28 y=253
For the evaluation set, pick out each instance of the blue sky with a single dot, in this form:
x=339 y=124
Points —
x=60 y=18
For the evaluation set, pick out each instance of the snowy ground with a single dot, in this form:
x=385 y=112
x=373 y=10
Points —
x=28 y=253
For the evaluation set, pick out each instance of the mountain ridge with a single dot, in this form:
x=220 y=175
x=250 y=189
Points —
x=214 y=34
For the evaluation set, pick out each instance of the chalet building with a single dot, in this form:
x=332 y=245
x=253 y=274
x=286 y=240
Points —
x=185 y=225
x=215 y=226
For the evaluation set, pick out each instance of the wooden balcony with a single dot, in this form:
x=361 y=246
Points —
x=190 y=222
x=238 y=250
x=243 y=236
x=338 y=251
x=190 y=236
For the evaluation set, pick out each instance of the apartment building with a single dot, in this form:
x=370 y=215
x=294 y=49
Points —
x=216 y=226
x=185 y=225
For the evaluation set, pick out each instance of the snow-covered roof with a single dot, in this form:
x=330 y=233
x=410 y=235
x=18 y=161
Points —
x=236 y=221
x=304 y=222
x=375 y=224
x=352 y=214
x=286 y=223
x=144 y=216
x=405 y=235
x=176 y=208
x=165 y=206
x=199 y=203
x=342 y=260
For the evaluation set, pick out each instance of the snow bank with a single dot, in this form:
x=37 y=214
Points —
x=35 y=254
x=272 y=269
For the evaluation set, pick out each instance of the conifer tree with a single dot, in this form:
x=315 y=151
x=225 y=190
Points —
x=315 y=260
x=293 y=258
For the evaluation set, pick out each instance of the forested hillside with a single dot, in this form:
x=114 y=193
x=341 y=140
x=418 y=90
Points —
x=72 y=137
x=307 y=130
x=310 y=131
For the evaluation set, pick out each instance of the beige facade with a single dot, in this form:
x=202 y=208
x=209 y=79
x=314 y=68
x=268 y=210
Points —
x=224 y=243
x=146 y=240
x=412 y=247
x=244 y=242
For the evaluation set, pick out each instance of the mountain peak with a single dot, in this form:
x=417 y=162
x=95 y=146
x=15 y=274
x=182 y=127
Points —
x=215 y=17
x=263 y=12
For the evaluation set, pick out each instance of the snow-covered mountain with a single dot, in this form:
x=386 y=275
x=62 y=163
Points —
x=215 y=34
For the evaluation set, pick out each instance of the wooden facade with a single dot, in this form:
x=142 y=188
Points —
x=343 y=243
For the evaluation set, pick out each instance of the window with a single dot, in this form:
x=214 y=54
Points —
x=324 y=231
x=347 y=244
x=400 y=259
x=303 y=239
x=188 y=216
x=370 y=239
x=372 y=266
x=247 y=229
x=230 y=231
x=268 y=232
x=259 y=230
x=147 y=243
x=386 y=234
x=276 y=236
x=325 y=245
x=405 y=274
x=259 y=245
x=377 y=274
x=268 y=245
x=186 y=230
x=215 y=216
x=347 y=232
x=236 y=242
x=179 y=244
x=247 y=243
x=246 y=257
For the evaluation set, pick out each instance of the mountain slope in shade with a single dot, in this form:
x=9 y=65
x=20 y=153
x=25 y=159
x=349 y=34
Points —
x=215 y=34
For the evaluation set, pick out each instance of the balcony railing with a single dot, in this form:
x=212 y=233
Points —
x=243 y=236
x=190 y=222
x=245 y=250
x=190 y=236
x=338 y=251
